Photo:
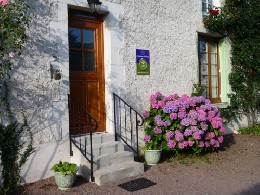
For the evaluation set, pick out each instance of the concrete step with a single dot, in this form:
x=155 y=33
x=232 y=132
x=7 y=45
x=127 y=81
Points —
x=97 y=138
x=115 y=172
x=105 y=148
x=112 y=159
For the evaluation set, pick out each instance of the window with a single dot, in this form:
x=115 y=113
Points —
x=208 y=5
x=209 y=75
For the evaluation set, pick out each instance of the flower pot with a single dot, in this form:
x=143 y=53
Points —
x=152 y=157
x=64 y=182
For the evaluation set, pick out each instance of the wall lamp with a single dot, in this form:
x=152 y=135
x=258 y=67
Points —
x=94 y=6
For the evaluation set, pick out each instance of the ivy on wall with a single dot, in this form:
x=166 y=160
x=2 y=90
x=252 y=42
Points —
x=14 y=19
x=239 y=20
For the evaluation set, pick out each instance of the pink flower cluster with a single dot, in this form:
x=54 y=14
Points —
x=183 y=122
x=3 y=2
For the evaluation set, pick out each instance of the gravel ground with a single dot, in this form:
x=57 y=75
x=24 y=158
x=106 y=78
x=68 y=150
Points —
x=235 y=169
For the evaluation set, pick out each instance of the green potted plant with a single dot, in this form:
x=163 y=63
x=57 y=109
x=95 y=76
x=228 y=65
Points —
x=64 y=174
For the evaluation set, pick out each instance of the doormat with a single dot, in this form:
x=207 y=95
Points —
x=136 y=184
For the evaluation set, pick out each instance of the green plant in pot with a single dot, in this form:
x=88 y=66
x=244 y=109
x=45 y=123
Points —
x=64 y=174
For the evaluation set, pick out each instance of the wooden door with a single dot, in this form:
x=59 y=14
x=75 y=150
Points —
x=87 y=68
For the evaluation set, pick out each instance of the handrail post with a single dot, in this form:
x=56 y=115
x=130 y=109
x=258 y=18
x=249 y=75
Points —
x=69 y=107
x=91 y=152
x=115 y=119
x=118 y=128
x=92 y=128
x=137 y=144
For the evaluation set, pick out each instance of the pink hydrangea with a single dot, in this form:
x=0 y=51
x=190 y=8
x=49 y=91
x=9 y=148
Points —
x=211 y=135
x=173 y=116
x=157 y=130
x=201 y=144
x=220 y=139
x=147 y=138
x=207 y=144
x=4 y=2
x=178 y=136
x=196 y=135
x=146 y=114
x=222 y=130
x=216 y=122
x=171 y=144
x=190 y=143
x=184 y=122
x=169 y=135
x=183 y=144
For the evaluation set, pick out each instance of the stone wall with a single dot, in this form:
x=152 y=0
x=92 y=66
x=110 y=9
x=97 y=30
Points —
x=167 y=28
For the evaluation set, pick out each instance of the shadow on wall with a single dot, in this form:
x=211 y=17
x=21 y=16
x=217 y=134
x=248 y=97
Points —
x=34 y=93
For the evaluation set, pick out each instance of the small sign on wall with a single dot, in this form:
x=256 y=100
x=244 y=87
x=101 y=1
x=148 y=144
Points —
x=142 y=62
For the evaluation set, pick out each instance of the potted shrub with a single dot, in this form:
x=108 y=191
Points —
x=182 y=124
x=64 y=174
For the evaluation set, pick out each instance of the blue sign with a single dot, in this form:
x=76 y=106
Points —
x=142 y=62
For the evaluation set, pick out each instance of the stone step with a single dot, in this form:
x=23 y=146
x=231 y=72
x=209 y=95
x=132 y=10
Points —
x=112 y=159
x=105 y=148
x=97 y=138
x=116 y=172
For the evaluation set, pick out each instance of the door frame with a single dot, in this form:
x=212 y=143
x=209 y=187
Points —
x=100 y=60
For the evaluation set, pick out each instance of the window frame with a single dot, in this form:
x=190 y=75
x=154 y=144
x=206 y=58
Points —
x=209 y=40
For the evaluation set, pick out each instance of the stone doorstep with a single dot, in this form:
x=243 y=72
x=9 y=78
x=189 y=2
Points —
x=112 y=159
x=119 y=171
x=105 y=148
x=97 y=138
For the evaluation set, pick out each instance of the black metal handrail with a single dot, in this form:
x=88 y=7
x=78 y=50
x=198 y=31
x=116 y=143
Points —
x=125 y=119
x=81 y=127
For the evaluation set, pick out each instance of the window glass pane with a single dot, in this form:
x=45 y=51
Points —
x=204 y=81
x=75 y=60
x=88 y=39
x=214 y=70
x=214 y=86
x=204 y=7
x=203 y=46
x=214 y=58
x=204 y=58
x=74 y=38
x=89 y=61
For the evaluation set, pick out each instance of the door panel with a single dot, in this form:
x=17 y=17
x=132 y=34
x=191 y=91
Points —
x=87 y=68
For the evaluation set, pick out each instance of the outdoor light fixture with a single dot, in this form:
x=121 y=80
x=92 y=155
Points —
x=94 y=6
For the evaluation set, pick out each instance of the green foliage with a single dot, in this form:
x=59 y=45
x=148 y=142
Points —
x=65 y=168
x=12 y=151
x=14 y=19
x=239 y=20
x=198 y=89
x=252 y=130
x=13 y=23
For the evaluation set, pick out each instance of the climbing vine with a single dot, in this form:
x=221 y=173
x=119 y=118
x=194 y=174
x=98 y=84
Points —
x=14 y=19
x=239 y=21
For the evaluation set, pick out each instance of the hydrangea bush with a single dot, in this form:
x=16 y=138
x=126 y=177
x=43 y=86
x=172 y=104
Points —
x=182 y=123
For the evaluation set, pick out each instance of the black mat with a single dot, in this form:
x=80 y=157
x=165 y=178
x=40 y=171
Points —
x=136 y=184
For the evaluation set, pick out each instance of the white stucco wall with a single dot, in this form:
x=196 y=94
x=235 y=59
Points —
x=167 y=28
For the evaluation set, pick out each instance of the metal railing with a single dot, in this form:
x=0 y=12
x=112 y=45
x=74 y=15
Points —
x=81 y=127
x=127 y=121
